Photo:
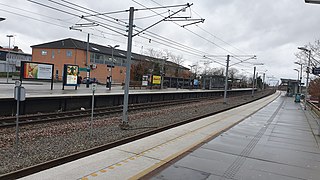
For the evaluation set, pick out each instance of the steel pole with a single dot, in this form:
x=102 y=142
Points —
x=7 y=59
x=307 y=84
x=264 y=76
x=128 y=66
x=300 y=78
x=17 y=117
x=87 y=59
x=162 y=73
x=226 y=81
x=253 y=80
x=111 y=67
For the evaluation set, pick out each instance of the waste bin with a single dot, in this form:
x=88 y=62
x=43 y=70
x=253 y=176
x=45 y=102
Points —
x=297 y=98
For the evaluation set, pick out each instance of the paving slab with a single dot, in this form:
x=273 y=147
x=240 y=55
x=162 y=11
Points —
x=277 y=142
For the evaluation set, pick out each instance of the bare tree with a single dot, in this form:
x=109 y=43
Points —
x=155 y=53
x=178 y=59
x=232 y=73
x=303 y=56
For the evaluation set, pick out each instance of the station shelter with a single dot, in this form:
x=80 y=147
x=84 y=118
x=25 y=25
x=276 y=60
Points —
x=291 y=86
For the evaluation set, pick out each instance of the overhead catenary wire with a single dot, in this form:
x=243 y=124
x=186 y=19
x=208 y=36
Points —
x=104 y=25
x=57 y=19
x=231 y=53
x=34 y=18
x=179 y=44
x=88 y=13
x=85 y=32
x=115 y=20
x=122 y=34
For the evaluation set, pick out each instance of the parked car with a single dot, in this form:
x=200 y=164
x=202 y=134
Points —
x=90 y=80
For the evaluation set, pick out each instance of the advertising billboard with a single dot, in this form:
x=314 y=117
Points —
x=156 y=79
x=71 y=74
x=34 y=70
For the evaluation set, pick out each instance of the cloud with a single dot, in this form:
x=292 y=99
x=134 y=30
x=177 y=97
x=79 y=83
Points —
x=271 y=29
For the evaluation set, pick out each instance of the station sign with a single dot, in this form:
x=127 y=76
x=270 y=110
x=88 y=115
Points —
x=156 y=79
x=316 y=70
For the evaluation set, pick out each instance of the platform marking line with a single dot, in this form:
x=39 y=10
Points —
x=162 y=162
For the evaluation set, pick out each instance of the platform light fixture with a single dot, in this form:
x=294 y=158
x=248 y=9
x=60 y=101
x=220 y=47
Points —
x=313 y=1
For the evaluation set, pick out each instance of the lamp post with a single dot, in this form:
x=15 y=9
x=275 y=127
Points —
x=264 y=77
x=300 y=90
x=112 y=60
x=298 y=77
x=162 y=71
x=190 y=78
x=254 y=74
x=308 y=71
x=7 y=62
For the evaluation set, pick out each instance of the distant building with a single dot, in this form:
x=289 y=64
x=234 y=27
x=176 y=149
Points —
x=290 y=85
x=10 y=59
x=72 y=51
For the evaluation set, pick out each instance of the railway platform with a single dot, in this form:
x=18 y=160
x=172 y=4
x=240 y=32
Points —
x=272 y=138
x=36 y=89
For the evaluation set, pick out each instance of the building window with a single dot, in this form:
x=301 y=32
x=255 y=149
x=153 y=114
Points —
x=52 y=54
x=69 y=53
x=44 y=53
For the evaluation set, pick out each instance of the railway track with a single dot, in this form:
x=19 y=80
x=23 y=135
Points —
x=57 y=116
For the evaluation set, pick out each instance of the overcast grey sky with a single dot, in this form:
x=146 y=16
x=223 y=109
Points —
x=272 y=30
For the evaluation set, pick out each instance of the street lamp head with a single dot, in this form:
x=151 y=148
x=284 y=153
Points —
x=9 y=36
x=298 y=63
x=304 y=49
x=2 y=19
x=313 y=1
x=113 y=47
x=296 y=70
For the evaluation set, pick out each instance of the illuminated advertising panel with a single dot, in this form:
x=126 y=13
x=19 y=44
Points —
x=156 y=79
x=71 y=74
x=34 y=70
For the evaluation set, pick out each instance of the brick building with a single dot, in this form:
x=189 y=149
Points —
x=72 y=51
